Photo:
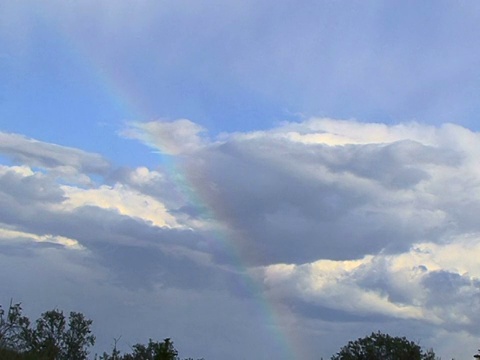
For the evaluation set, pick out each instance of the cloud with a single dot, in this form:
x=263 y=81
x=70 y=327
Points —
x=431 y=283
x=22 y=185
x=346 y=221
x=122 y=199
x=46 y=278
x=50 y=156
x=380 y=189
x=15 y=236
x=172 y=138
x=342 y=227
x=318 y=59
x=124 y=226
x=347 y=227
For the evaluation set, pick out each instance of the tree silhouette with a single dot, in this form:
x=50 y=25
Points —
x=12 y=327
x=52 y=338
x=380 y=346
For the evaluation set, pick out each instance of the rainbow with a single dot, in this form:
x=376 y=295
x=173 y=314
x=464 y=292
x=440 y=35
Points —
x=122 y=92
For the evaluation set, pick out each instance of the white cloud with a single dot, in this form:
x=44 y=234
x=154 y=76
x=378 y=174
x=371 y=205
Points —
x=13 y=235
x=122 y=199
x=363 y=223
x=436 y=283
x=172 y=138
x=65 y=161
x=22 y=170
x=143 y=175
x=345 y=225
x=344 y=132
x=385 y=183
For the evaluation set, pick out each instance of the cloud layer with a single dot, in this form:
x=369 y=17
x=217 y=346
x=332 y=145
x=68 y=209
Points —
x=337 y=227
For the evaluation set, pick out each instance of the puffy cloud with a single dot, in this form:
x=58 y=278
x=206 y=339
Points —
x=383 y=188
x=437 y=284
x=122 y=199
x=346 y=221
x=108 y=250
x=162 y=186
x=346 y=227
x=131 y=232
x=21 y=185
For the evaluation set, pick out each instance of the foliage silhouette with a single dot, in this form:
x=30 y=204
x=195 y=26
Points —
x=380 y=346
x=52 y=338
x=154 y=350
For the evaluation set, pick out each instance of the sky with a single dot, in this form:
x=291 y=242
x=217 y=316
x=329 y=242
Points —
x=254 y=179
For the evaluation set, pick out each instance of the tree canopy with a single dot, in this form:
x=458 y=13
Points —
x=379 y=346
x=53 y=337
x=152 y=351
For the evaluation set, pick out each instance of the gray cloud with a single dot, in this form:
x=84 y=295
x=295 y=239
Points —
x=158 y=184
x=51 y=156
x=139 y=253
x=391 y=204
x=26 y=189
x=341 y=233
x=456 y=297
x=79 y=281
x=328 y=201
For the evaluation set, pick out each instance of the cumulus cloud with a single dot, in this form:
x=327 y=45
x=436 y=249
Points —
x=132 y=232
x=437 y=284
x=353 y=221
x=335 y=222
x=379 y=189
x=110 y=250
x=122 y=199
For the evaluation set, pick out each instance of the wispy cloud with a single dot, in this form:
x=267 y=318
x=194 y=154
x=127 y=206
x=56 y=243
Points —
x=171 y=138
x=51 y=156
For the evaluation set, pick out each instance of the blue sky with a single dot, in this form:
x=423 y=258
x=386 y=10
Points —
x=307 y=169
x=234 y=66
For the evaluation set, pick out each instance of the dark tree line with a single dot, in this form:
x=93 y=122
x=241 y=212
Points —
x=55 y=337
x=152 y=351
x=380 y=346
